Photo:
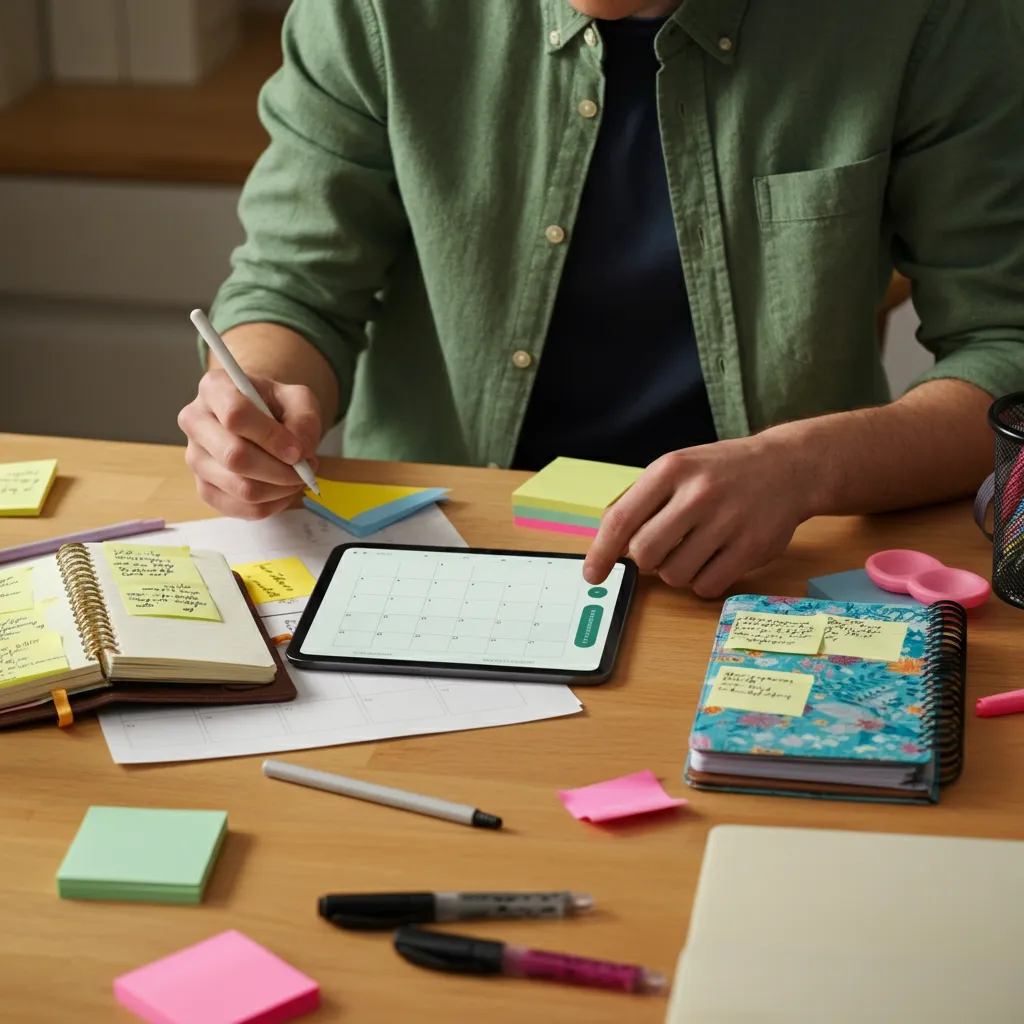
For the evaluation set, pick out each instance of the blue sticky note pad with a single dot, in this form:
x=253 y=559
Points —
x=855 y=585
x=367 y=523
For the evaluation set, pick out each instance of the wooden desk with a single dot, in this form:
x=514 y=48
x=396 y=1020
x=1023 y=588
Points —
x=208 y=133
x=288 y=846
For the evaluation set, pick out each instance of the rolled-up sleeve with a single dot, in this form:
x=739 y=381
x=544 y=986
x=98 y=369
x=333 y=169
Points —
x=956 y=192
x=321 y=210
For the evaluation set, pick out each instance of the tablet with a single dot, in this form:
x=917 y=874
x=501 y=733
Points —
x=474 y=613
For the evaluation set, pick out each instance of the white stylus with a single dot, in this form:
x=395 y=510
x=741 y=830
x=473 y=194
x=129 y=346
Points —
x=239 y=379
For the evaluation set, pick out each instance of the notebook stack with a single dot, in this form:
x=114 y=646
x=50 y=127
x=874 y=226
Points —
x=142 y=855
x=571 y=495
x=362 y=509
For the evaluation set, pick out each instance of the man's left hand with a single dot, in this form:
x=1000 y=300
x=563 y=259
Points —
x=705 y=516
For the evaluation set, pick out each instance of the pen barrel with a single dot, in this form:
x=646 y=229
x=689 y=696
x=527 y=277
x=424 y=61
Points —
x=369 y=791
x=465 y=906
x=573 y=970
x=1000 y=704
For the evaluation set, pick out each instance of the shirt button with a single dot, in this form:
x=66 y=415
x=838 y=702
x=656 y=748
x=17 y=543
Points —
x=554 y=234
x=590 y=37
x=725 y=44
x=522 y=360
x=588 y=108
x=492 y=465
x=554 y=37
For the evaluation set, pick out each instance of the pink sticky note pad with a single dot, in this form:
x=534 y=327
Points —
x=639 y=793
x=228 y=979
x=544 y=524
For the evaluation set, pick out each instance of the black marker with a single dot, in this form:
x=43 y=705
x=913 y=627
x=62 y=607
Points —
x=382 y=911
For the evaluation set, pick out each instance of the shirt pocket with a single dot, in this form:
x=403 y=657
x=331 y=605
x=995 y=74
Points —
x=821 y=240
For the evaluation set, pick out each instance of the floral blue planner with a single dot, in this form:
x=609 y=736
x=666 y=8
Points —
x=881 y=730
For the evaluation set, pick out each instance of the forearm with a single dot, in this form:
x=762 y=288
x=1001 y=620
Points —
x=930 y=445
x=280 y=354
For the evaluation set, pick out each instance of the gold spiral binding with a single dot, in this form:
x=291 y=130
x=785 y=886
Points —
x=86 y=597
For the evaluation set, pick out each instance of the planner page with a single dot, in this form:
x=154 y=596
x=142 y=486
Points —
x=464 y=608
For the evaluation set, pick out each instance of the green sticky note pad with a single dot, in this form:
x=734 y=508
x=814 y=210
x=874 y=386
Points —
x=143 y=855
x=576 y=486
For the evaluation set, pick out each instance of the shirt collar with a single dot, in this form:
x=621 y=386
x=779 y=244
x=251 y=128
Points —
x=713 y=24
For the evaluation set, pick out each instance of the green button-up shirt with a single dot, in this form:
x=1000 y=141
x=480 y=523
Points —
x=412 y=214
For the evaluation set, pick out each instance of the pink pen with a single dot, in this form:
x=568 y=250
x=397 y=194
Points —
x=461 y=955
x=1009 y=703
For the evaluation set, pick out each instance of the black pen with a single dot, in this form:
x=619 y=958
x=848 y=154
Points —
x=382 y=911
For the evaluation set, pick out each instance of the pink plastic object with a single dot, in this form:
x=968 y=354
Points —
x=1010 y=703
x=925 y=578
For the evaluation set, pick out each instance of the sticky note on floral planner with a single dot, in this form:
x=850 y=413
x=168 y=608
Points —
x=362 y=509
x=639 y=793
x=25 y=485
x=571 y=495
x=228 y=979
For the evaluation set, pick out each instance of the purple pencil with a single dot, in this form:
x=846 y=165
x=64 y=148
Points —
x=44 y=547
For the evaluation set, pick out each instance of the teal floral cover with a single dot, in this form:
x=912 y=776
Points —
x=857 y=710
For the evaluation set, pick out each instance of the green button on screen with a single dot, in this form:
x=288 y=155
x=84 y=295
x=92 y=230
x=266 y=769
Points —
x=589 y=626
x=597 y=592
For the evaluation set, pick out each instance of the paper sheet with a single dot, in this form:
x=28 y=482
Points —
x=751 y=689
x=276 y=580
x=15 y=590
x=639 y=793
x=787 y=634
x=331 y=708
x=25 y=485
x=159 y=581
x=863 y=638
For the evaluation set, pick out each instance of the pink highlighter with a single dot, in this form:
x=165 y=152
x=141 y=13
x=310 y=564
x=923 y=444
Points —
x=925 y=578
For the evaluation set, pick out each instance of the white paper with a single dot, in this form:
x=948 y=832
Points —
x=332 y=708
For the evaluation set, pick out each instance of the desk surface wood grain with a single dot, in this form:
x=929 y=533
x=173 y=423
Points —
x=203 y=134
x=288 y=845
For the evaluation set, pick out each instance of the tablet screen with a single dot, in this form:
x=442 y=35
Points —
x=498 y=610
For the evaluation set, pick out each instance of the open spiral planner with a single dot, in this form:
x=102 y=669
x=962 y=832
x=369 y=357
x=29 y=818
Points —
x=331 y=708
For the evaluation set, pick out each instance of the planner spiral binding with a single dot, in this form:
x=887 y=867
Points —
x=945 y=673
x=86 y=599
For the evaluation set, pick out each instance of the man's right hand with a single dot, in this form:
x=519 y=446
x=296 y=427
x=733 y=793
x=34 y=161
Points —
x=241 y=457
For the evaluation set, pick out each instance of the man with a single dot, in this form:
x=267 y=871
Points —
x=491 y=233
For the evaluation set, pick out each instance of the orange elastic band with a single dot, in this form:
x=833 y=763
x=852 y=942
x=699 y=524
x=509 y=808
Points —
x=65 y=716
x=281 y=638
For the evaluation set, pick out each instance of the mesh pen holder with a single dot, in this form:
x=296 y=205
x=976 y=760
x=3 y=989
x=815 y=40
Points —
x=1004 y=491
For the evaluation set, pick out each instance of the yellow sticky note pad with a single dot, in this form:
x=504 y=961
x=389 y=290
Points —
x=14 y=625
x=31 y=657
x=25 y=485
x=351 y=500
x=278 y=580
x=162 y=582
x=15 y=590
x=863 y=638
x=576 y=486
x=751 y=689
x=787 y=634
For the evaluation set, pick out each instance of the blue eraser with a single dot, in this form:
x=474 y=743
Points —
x=855 y=585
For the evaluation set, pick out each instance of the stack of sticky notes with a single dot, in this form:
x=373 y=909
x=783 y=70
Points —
x=362 y=509
x=142 y=855
x=228 y=979
x=571 y=495
x=25 y=485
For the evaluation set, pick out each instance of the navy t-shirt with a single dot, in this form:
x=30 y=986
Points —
x=619 y=379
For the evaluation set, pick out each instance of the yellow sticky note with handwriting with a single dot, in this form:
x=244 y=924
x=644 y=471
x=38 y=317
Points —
x=15 y=590
x=17 y=624
x=786 y=634
x=863 y=638
x=160 y=582
x=277 y=580
x=25 y=485
x=751 y=689
x=31 y=657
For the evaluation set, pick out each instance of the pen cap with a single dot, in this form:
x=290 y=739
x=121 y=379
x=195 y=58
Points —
x=454 y=953
x=377 y=911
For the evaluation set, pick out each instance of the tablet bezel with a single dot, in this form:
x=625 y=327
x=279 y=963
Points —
x=387 y=666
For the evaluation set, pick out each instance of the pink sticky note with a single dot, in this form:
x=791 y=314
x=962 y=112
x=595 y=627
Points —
x=639 y=793
x=228 y=979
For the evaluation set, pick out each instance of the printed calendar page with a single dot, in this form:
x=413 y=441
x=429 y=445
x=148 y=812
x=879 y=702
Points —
x=471 y=609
